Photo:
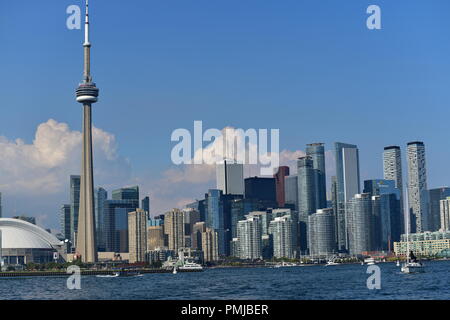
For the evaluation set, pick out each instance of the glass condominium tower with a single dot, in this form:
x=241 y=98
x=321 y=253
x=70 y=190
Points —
x=317 y=153
x=392 y=170
x=417 y=187
x=347 y=185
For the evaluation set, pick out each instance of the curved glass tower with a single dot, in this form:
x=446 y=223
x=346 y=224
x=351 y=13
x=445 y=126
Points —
x=87 y=94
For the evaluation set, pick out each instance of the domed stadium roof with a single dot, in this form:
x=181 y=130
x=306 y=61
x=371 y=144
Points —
x=19 y=234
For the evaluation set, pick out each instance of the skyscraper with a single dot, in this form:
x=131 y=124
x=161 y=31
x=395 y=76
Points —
x=74 y=206
x=435 y=196
x=417 y=187
x=145 y=204
x=127 y=193
x=359 y=223
x=174 y=228
x=262 y=189
x=282 y=172
x=87 y=94
x=137 y=235
x=281 y=230
x=306 y=196
x=322 y=233
x=209 y=245
x=291 y=191
x=317 y=153
x=392 y=170
x=1 y=213
x=116 y=224
x=64 y=220
x=347 y=185
x=445 y=214
x=250 y=238
x=230 y=177
x=100 y=196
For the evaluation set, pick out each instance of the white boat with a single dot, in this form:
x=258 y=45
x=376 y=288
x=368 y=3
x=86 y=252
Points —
x=285 y=264
x=332 y=263
x=190 y=266
x=369 y=261
x=411 y=265
x=114 y=275
x=174 y=270
x=398 y=263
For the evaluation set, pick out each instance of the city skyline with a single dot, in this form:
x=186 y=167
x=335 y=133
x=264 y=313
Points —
x=138 y=166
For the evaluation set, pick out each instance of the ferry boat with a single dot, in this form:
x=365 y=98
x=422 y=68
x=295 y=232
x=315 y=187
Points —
x=285 y=264
x=190 y=266
x=369 y=261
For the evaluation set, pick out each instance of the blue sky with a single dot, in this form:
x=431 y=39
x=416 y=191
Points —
x=310 y=68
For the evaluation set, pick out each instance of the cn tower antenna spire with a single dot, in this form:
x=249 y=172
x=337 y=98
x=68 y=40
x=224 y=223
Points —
x=87 y=48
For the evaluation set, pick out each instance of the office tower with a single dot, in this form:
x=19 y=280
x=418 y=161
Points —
x=250 y=241
x=280 y=176
x=230 y=177
x=334 y=204
x=100 y=196
x=435 y=196
x=87 y=94
x=210 y=245
x=316 y=151
x=74 y=206
x=137 y=235
x=386 y=212
x=322 y=233
x=155 y=237
x=174 y=229
x=347 y=185
x=291 y=192
x=116 y=224
x=64 y=219
x=191 y=217
x=281 y=230
x=128 y=193
x=417 y=187
x=215 y=216
x=392 y=169
x=359 y=223
x=196 y=237
x=306 y=197
x=145 y=204
x=262 y=189
x=445 y=214
x=198 y=205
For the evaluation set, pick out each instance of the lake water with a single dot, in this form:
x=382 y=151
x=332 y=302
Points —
x=292 y=283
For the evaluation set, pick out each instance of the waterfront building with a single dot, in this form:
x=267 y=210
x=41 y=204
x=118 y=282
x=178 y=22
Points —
x=137 y=235
x=322 y=233
x=250 y=238
x=445 y=214
x=280 y=176
x=22 y=242
x=174 y=229
x=359 y=223
x=316 y=151
x=145 y=204
x=191 y=217
x=196 y=237
x=230 y=177
x=435 y=197
x=281 y=231
x=417 y=187
x=424 y=244
x=155 y=237
x=347 y=185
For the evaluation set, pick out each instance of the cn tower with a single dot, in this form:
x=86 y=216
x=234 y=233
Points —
x=87 y=94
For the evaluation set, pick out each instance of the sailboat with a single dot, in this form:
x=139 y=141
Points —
x=411 y=264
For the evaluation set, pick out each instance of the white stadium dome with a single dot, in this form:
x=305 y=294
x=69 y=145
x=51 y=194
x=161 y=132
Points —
x=19 y=234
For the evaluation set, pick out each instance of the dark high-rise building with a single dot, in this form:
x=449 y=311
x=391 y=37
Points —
x=280 y=176
x=360 y=223
x=100 y=196
x=435 y=197
x=392 y=169
x=239 y=209
x=198 y=205
x=262 y=189
x=347 y=185
x=64 y=220
x=1 y=207
x=74 y=205
x=116 y=223
x=145 y=204
x=129 y=193
x=291 y=192
x=306 y=197
x=317 y=153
